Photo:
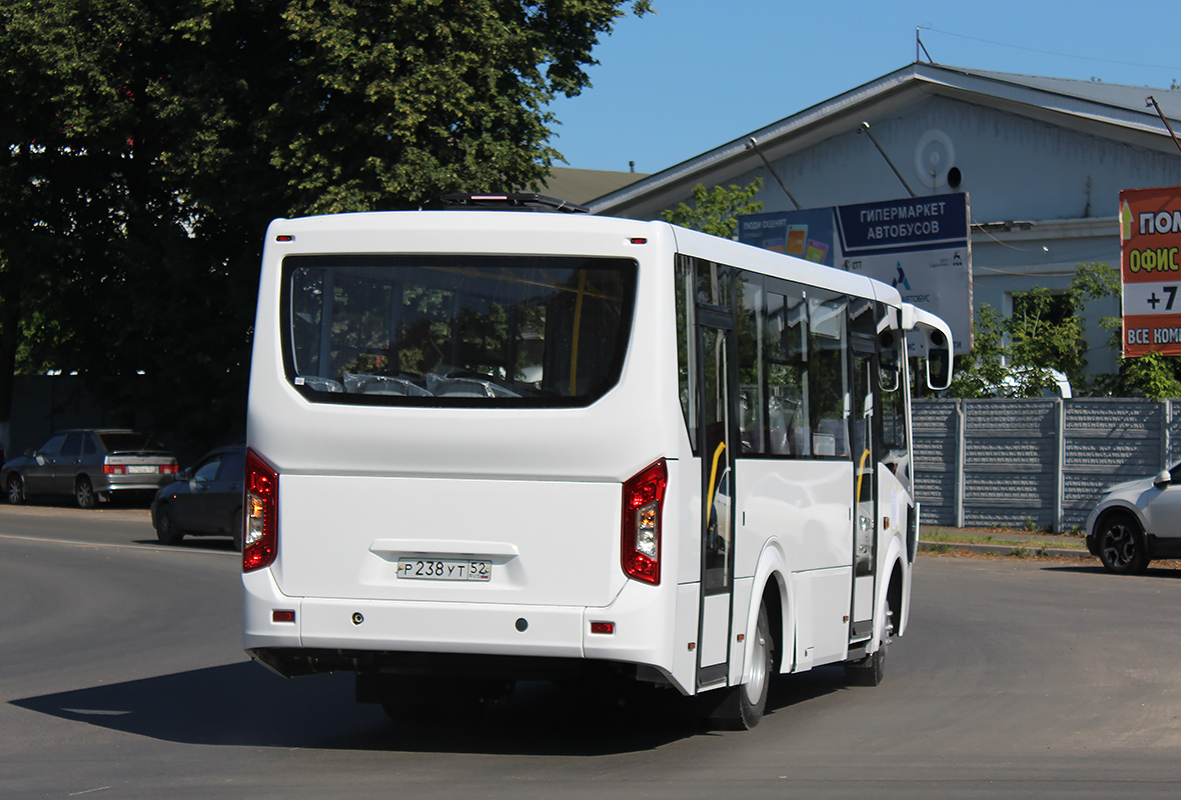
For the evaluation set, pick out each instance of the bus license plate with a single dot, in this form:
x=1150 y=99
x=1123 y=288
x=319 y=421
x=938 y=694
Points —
x=444 y=569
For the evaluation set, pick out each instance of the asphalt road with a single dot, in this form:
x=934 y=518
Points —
x=122 y=676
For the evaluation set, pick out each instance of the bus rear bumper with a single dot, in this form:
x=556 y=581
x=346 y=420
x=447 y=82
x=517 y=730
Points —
x=323 y=635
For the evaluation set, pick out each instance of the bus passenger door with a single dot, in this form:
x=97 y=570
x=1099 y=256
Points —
x=716 y=397
x=864 y=489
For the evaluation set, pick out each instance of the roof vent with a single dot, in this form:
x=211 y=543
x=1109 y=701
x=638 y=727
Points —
x=512 y=201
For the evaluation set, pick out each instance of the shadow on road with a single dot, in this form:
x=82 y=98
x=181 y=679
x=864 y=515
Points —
x=244 y=705
x=1170 y=572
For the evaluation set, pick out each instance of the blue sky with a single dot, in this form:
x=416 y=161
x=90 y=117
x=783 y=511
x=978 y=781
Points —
x=700 y=73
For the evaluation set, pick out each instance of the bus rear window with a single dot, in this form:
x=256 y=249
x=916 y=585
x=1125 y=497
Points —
x=456 y=330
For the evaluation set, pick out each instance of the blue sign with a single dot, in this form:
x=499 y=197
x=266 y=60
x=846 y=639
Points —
x=916 y=223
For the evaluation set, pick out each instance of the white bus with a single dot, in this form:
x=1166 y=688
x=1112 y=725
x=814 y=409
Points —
x=493 y=445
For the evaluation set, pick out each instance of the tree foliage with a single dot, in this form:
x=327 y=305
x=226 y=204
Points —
x=1010 y=356
x=716 y=211
x=150 y=143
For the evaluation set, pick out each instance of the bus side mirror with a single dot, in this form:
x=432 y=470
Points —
x=937 y=338
x=938 y=360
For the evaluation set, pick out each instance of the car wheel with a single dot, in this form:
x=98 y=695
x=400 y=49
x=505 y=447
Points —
x=1122 y=546
x=16 y=490
x=84 y=493
x=166 y=530
x=870 y=670
x=742 y=706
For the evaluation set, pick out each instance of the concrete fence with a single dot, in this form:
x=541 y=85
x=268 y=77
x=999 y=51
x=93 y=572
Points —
x=1042 y=462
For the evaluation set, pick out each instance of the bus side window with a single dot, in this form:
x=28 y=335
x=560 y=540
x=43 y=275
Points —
x=751 y=417
x=788 y=412
x=787 y=348
x=686 y=368
x=828 y=349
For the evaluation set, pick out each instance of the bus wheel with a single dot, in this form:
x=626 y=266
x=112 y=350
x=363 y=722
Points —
x=870 y=670
x=742 y=706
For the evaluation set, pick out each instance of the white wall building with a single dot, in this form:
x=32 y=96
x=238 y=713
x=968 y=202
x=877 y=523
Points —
x=1042 y=159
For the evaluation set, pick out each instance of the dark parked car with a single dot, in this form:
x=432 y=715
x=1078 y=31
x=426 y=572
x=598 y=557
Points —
x=205 y=500
x=91 y=465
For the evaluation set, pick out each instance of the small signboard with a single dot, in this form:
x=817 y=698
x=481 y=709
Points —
x=1150 y=265
x=919 y=245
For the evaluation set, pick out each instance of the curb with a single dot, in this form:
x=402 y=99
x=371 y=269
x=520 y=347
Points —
x=1032 y=550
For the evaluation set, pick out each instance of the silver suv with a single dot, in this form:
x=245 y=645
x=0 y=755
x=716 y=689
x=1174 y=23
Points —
x=91 y=465
x=1137 y=522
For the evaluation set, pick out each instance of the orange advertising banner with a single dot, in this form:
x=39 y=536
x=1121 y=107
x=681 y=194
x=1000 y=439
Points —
x=1150 y=264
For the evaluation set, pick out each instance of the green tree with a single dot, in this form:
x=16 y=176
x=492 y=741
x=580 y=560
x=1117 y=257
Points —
x=150 y=143
x=1046 y=331
x=1154 y=376
x=980 y=371
x=716 y=212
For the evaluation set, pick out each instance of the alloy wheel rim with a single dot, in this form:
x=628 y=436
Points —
x=1119 y=545
x=758 y=669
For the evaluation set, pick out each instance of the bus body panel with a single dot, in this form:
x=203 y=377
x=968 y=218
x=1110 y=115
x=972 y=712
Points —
x=443 y=627
x=260 y=599
x=362 y=485
x=345 y=536
x=824 y=601
x=805 y=504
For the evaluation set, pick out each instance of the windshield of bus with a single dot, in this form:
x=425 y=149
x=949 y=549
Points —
x=456 y=330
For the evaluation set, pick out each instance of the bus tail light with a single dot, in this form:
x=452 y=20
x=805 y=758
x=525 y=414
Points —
x=643 y=504
x=260 y=540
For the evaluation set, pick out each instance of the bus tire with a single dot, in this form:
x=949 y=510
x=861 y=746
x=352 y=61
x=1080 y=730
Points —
x=742 y=707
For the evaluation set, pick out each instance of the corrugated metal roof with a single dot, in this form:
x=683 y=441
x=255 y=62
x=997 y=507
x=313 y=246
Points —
x=1117 y=95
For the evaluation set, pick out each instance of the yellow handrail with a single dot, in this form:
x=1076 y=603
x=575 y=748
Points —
x=713 y=473
x=861 y=472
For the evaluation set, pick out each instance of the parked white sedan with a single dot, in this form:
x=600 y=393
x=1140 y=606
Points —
x=1137 y=522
